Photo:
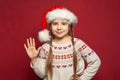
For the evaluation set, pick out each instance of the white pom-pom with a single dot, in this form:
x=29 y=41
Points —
x=44 y=35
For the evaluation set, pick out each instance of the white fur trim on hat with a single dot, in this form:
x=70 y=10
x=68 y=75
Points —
x=61 y=13
x=44 y=36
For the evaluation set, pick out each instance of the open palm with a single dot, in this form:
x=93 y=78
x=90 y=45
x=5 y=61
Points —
x=30 y=48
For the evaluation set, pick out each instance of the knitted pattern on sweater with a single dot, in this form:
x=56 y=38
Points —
x=63 y=60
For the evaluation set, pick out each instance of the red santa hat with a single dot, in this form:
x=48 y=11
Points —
x=52 y=14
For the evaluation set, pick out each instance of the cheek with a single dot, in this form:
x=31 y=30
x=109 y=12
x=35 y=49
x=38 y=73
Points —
x=66 y=28
x=52 y=28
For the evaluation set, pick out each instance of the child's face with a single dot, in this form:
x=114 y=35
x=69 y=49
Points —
x=60 y=28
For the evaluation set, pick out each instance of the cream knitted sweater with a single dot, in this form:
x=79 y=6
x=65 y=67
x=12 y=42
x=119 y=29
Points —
x=63 y=61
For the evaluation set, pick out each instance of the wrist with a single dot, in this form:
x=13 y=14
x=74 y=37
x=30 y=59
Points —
x=33 y=60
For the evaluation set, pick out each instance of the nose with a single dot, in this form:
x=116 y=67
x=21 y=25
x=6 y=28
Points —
x=59 y=26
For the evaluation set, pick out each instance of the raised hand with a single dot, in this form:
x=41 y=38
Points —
x=30 y=48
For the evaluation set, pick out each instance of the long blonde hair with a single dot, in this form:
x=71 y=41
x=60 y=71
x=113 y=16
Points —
x=49 y=68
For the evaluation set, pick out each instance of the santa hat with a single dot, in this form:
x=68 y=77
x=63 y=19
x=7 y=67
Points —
x=52 y=14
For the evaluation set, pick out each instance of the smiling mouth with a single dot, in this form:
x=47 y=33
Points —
x=59 y=32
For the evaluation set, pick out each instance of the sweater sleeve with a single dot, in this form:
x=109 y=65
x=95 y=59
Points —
x=92 y=59
x=39 y=66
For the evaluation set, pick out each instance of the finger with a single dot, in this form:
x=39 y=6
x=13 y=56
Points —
x=39 y=49
x=25 y=46
x=33 y=40
x=28 y=43
x=71 y=78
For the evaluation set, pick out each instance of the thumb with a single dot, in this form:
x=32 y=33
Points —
x=39 y=48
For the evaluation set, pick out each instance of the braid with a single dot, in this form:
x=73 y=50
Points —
x=74 y=54
x=49 y=69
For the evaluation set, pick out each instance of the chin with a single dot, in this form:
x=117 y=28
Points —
x=60 y=37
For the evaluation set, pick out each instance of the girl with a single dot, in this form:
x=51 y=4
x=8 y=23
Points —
x=62 y=56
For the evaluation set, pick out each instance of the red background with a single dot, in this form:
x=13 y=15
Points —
x=99 y=27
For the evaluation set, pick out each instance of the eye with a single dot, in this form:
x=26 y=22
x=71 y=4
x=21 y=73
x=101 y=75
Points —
x=54 y=23
x=64 y=23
